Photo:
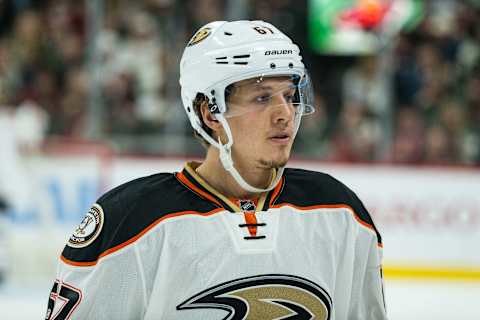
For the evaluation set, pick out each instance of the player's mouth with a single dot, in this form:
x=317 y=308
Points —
x=280 y=138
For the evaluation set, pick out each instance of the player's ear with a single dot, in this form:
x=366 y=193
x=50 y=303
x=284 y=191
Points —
x=209 y=118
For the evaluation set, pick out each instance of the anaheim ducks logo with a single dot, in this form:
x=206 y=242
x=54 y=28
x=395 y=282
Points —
x=265 y=297
x=199 y=36
x=89 y=228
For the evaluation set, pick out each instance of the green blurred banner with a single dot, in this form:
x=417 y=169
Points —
x=347 y=27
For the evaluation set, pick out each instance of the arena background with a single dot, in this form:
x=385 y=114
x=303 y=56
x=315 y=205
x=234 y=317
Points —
x=89 y=98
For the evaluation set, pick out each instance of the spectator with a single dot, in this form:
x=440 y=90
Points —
x=409 y=139
x=439 y=147
x=73 y=103
x=364 y=84
x=357 y=135
x=435 y=105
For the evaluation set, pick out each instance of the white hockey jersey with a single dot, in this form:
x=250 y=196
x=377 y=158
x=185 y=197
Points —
x=169 y=246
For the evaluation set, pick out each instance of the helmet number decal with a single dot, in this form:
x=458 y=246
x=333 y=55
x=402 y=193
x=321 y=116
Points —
x=263 y=30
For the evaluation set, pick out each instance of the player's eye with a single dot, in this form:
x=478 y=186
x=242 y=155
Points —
x=288 y=97
x=263 y=98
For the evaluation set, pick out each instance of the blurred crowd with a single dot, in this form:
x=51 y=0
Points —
x=434 y=109
x=62 y=75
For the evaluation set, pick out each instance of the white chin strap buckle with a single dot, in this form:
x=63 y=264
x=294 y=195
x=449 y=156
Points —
x=226 y=156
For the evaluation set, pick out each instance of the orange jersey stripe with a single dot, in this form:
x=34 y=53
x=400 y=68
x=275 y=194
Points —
x=194 y=188
x=248 y=219
x=276 y=190
x=330 y=206
x=138 y=236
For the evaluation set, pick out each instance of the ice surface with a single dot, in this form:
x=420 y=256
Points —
x=405 y=300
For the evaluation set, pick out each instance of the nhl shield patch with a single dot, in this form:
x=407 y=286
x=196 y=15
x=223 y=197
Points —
x=89 y=228
x=247 y=205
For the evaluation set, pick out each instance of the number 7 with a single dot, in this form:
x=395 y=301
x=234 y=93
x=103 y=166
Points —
x=70 y=296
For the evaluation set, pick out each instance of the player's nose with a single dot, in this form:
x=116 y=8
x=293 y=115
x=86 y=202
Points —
x=283 y=110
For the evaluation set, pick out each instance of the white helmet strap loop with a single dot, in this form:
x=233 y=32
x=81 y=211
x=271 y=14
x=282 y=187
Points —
x=227 y=161
x=225 y=155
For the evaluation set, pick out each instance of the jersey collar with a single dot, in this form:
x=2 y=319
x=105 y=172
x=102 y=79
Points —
x=192 y=181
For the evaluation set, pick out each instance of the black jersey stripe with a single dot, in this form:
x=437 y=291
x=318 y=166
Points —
x=132 y=207
x=187 y=183
x=189 y=173
x=275 y=194
x=304 y=188
x=228 y=204
x=334 y=206
x=136 y=237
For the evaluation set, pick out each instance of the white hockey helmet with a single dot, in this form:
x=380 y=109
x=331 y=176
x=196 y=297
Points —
x=222 y=53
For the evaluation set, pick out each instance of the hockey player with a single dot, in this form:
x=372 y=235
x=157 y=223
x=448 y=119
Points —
x=236 y=236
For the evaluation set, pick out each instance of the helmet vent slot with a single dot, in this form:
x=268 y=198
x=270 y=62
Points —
x=242 y=56
x=228 y=33
x=221 y=58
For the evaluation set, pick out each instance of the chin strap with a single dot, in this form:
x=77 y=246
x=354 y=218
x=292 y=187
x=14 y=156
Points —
x=226 y=155
x=226 y=159
x=227 y=162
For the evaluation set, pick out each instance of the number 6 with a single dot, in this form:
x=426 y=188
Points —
x=263 y=29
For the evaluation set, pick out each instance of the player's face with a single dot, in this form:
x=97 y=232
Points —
x=261 y=116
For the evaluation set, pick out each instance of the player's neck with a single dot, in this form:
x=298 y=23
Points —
x=212 y=171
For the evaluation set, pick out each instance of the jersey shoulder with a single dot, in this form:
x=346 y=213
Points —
x=309 y=188
x=306 y=188
x=127 y=211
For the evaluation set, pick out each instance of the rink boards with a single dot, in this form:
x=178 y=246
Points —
x=429 y=217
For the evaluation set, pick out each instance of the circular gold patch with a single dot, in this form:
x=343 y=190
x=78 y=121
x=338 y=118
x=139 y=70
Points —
x=89 y=228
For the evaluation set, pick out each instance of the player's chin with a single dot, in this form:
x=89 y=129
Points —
x=276 y=160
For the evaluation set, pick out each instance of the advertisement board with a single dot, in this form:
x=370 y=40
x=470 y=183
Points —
x=429 y=218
